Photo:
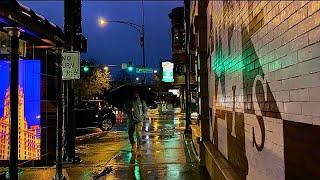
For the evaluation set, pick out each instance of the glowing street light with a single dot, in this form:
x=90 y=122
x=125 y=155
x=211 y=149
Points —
x=155 y=71
x=137 y=78
x=106 y=68
x=102 y=22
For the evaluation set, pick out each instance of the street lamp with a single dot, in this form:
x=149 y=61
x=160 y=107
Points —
x=140 y=28
x=137 y=78
x=155 y=71
x=102 y=21
x=106 y=68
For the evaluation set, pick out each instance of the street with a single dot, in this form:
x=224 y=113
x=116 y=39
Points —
x=213 y=89
x=107 y=155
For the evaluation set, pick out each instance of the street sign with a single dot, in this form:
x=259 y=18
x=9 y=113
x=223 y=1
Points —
x=70 y=65
x=144 y=70
x=124 y=66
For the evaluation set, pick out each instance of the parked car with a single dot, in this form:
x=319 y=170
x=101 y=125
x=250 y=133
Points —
x=94 y=113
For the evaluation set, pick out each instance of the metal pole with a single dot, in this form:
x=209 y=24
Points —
x=14 y=102
x=143 y=54
x=59 y=175
x=68 y=91
x=188 y=58
x=143 y=43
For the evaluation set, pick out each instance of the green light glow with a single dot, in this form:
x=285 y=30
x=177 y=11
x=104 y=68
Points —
x=86 y=69
x=167 y=75
x=130 y=68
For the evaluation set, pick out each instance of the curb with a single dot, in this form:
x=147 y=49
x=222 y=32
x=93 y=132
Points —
x=88 y=136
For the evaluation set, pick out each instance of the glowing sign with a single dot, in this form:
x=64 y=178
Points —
x=167 y=75
x=175 y=92
x=29 y=110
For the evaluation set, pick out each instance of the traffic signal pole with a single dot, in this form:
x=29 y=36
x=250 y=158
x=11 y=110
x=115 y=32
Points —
x=143 y=45
x=143 y=54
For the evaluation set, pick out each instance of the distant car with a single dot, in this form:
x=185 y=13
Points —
x=94 y=113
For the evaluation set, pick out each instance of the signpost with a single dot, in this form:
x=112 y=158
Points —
x=144 y=70
x=70 y=65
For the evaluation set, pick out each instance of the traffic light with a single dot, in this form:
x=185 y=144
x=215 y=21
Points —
x=130 y=67
x=86 y=71
x=85 y=68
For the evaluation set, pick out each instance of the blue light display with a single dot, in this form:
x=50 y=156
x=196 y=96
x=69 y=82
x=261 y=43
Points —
x=29 y=109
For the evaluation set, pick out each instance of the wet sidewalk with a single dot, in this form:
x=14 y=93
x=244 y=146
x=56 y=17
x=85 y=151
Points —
x=164 y=155
x=108 y=156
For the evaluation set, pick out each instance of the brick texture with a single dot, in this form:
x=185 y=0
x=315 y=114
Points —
x=265 y=65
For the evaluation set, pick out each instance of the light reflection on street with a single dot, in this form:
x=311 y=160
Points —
x=108 y=156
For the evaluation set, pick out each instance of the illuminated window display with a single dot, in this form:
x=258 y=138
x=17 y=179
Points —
x=167 y=72
x=29 y=110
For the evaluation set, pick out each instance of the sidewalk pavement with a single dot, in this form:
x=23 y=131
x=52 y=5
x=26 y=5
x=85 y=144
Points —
x=165 y=155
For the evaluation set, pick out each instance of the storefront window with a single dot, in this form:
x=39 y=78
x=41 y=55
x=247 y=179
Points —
x=37 y=99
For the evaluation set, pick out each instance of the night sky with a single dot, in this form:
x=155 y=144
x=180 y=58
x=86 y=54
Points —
x=118 y=43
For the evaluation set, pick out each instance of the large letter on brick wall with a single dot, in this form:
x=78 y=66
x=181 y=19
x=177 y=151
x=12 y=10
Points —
x=261 y=111
x=275 y=133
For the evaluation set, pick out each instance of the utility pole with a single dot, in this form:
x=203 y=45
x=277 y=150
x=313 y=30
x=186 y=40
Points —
x=187 y=63
x=67 y=84
x=14 y=34
x=72 y=30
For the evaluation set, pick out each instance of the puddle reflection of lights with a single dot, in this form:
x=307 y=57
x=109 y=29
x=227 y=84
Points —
x=176 y=120
x=156 y=126
x=147 y=127
x=147 y=136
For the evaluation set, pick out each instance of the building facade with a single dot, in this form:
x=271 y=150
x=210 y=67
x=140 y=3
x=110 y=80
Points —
x=178 y=51
x=178 y=44
x=263 y=89
x=179 y=58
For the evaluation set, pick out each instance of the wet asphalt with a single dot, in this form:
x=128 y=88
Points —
x=107 y=155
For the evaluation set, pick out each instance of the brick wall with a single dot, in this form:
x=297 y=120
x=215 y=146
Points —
x=264 y=86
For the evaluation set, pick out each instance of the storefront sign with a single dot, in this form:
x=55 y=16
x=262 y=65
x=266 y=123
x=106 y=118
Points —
x=167 y=69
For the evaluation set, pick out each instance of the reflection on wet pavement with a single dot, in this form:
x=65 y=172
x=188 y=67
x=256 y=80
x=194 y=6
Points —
x=108 y=156
x=163 y=155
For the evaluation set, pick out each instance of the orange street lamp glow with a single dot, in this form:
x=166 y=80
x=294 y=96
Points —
x=102 y=21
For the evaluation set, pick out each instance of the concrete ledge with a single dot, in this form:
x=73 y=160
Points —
x=217 y=166
x=196 y=134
